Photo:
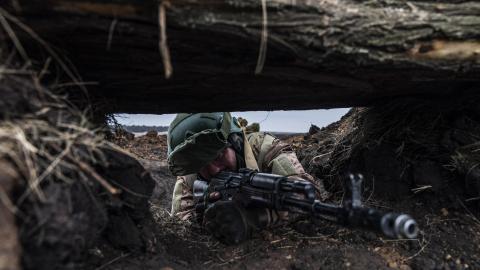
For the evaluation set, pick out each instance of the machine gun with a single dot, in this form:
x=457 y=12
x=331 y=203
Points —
x=253 y=189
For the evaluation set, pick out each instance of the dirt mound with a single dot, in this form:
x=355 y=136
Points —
x=71 y=185
x=62 y=185
x=402 y=148
x=151 y=146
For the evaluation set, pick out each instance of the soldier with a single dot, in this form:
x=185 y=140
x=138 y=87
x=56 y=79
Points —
x=203 y=144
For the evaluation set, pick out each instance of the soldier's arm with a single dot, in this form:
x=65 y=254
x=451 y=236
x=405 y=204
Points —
x=182 y=200
x=277 y=157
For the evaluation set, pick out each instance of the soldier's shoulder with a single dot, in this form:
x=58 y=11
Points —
x=259 y=134
x=261 y=142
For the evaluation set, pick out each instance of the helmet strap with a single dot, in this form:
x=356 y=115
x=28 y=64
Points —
x=236 y=142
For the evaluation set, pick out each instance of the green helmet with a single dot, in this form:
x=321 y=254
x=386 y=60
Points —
x=194 y=140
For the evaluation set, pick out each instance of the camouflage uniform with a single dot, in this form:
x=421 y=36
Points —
x=270 y=155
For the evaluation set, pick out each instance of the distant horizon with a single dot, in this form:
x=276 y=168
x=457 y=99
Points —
x=271 y=121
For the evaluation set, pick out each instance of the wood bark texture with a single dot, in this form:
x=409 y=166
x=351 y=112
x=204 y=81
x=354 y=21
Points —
x=261 y=55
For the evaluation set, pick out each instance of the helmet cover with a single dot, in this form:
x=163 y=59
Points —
x=194 y=140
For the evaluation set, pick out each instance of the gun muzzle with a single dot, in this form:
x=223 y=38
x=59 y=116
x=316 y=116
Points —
x=399 y=226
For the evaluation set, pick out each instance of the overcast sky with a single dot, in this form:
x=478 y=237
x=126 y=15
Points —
x=286 y=121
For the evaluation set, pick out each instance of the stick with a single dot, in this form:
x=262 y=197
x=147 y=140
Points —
x=112 y=261
x=164 y=51
x=96 y=176
x=110 y=34
x=468 y=211
x=263 y=41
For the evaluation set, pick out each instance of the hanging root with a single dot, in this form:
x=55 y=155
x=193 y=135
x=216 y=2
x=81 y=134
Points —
x=163 y=46
x=262 y=54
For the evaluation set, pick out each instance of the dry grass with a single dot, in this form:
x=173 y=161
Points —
x=59 y=146
x=42 y=135
x=447 y=133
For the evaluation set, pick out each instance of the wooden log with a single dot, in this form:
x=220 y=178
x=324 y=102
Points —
x=235 y=55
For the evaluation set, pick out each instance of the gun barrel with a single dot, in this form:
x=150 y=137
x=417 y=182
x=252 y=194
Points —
x=392 y=225
x=399 y=226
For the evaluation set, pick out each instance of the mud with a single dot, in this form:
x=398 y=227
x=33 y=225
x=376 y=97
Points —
x=56 y=233
x=59 y=232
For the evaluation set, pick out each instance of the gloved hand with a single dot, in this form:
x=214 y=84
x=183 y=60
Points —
x=228 y=222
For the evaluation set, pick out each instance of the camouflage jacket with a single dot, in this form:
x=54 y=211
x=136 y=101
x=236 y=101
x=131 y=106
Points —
x=269 y=155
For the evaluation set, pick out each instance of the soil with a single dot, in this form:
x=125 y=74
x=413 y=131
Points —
x=449 y=236
x=150 y=146
x=56 y=233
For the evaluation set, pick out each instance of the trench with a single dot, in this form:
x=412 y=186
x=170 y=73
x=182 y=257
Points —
x=77 y=195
